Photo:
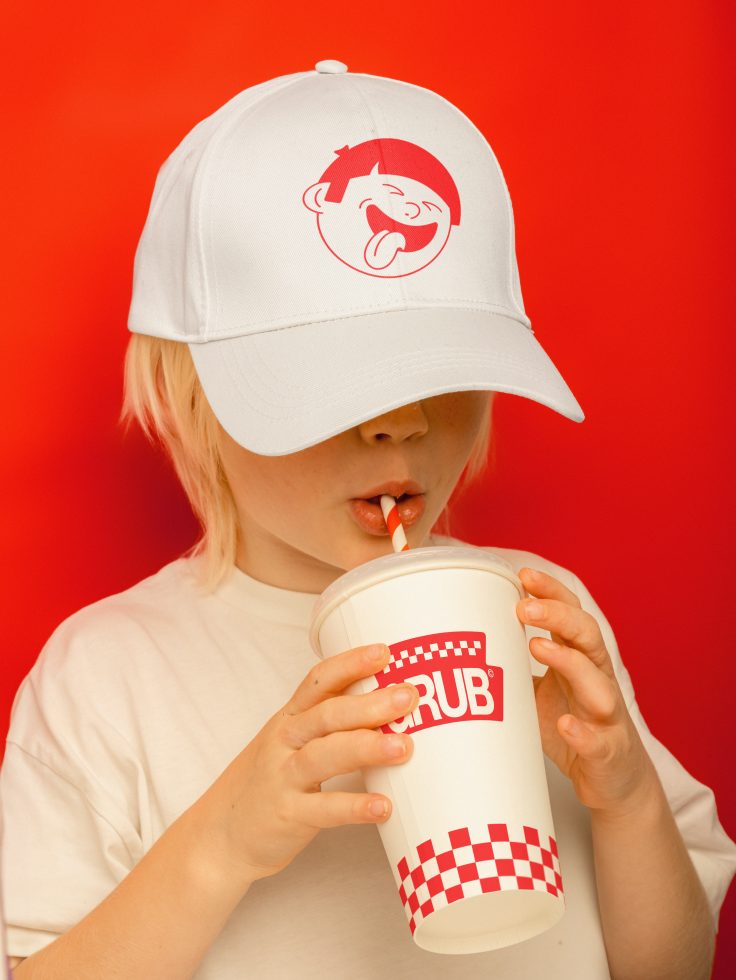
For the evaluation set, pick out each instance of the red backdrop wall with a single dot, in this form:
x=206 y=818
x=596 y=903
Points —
x=611 y=123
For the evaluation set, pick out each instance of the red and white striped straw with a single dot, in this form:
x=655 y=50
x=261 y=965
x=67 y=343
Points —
x=393 y=523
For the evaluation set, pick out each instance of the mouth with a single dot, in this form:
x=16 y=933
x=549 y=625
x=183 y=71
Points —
x=415 y=236
x=390 y=237
x=367 y=513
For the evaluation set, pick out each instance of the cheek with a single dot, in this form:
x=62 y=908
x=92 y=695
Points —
x=278 y=485
x=463 y=414
x=459 y=426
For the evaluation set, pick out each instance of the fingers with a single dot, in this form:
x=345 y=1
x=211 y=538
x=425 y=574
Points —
x=575 y=626
x=351 y=711
x=539 y=583
x=596 y=695
x=335 y=809
x=343 y=752
x=558 y=610
x=332 y=675
x=327 y=734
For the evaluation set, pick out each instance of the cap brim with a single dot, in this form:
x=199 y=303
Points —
x=287 y=389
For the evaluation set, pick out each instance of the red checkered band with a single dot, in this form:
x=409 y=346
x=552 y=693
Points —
x=454 y=680
x=500 y=857
x=420 y=649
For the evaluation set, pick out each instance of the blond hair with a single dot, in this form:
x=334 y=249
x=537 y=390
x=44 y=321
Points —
x=163 y=394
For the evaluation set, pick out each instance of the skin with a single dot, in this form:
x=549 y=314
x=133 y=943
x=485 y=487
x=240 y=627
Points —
x=293 y=510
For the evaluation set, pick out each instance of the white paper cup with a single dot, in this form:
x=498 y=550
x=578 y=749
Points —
x=470 y=838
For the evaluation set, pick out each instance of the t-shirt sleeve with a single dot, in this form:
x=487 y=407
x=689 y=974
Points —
x=68 y=836
x=693 y=804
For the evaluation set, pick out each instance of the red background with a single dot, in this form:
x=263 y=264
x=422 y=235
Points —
x=611 y=125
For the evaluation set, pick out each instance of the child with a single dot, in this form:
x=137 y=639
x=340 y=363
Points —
x=325 y=300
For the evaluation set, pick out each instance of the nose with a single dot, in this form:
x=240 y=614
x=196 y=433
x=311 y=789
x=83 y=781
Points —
x=412 y=204
x=398 y=424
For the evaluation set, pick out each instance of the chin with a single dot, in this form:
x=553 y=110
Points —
x=364 y=547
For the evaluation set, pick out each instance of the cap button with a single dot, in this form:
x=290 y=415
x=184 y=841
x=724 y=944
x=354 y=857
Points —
x=330 y=67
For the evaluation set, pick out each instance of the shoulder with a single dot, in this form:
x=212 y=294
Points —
x=129 y=614
x=158 y=597
x=94 y=652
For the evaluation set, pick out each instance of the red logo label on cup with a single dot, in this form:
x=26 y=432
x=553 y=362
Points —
x=453 y=679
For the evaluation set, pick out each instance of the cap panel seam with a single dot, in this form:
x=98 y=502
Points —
x=507 y=196
x=370 y=110
x=469 y=306
x=216 y=139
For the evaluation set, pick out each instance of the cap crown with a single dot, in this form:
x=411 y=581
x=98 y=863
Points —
x=318 y=196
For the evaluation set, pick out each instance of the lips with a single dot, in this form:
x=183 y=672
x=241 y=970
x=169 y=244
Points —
x=396 y=488
x=366 y=509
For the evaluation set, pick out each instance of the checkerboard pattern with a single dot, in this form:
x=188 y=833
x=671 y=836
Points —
x=470 y=861
x=420 y=649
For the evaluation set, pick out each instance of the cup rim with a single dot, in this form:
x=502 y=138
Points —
x=405 y=563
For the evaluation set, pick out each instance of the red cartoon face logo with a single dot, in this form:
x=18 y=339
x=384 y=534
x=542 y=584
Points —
x=381 y=198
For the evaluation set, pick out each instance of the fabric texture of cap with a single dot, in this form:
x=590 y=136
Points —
x=332 y=245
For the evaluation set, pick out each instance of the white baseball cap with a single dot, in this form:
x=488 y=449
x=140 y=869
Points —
x=332 y=245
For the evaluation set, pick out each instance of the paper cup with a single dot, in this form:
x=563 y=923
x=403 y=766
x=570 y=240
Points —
x=470 y=839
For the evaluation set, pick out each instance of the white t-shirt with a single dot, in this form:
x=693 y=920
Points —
x=139 y=701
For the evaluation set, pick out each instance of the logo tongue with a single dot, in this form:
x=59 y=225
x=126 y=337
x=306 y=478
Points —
x=382 y=248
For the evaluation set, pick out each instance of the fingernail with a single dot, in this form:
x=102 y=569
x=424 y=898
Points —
x=395 y=745
x=379 y=808
x=534 y=610
x=378 y=652
x=402 y=698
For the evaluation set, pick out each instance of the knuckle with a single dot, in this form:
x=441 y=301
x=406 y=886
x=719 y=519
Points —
x=364 y=710
x=582 y=638
x=330 y=711
x=316 y=674
x=369 y=743
x=381 y=708
x=293 y=764
x=291 y=730
x=614 y=749
x=609 y=751
x=329 y=748
x=610 y=701
x=285 y=809
x=373 y=747
x=334 y=712
x=589 y=626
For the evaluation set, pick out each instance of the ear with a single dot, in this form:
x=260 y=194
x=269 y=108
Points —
x=314 y=196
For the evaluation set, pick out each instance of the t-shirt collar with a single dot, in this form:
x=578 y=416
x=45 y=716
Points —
x=267 y=601
x=270 y=601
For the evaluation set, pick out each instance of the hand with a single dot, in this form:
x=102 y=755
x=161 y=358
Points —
x=586 y=728
x=268 y=805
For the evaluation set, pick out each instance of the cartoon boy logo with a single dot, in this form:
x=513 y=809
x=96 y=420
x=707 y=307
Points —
x=381 y=198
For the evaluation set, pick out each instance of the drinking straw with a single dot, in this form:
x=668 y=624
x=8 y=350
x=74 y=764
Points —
x=393 y=523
